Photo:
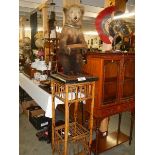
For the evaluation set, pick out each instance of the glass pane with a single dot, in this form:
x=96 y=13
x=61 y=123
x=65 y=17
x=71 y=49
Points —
x=110 y=90
x=111 y=72
x=129 y=78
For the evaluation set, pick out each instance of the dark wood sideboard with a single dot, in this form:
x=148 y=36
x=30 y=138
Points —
x=115 y=93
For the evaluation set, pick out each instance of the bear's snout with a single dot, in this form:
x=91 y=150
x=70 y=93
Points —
x=75 y=19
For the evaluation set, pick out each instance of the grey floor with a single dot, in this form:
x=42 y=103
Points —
x=29 y=144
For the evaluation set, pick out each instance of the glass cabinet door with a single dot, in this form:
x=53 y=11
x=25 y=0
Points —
x=110 y=80
x=129 y=78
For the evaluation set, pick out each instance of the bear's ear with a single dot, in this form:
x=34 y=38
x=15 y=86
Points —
x=82 y=9
x=65 y=9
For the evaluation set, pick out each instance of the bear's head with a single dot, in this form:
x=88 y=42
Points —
x=73 y=14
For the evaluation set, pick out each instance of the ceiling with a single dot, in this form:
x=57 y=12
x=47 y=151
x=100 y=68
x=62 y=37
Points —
x=92 y=8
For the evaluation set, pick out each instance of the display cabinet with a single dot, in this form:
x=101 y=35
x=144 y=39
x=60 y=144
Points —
x=114 y=92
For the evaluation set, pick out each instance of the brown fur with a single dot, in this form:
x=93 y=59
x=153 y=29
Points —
x=71 y=60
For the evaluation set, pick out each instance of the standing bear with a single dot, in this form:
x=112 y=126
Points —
x=71 y=58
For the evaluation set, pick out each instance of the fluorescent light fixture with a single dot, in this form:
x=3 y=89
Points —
x=126 y=11
x=27 y=29
x=40 y=28
x=126 y=15
x=92 y=33
x=58 y=29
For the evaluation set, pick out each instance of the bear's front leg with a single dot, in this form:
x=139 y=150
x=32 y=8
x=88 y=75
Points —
x=65 y=61
x=63 y=45
x=82 y=40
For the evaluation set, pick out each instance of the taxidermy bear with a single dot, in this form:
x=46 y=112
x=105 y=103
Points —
x=71 y=59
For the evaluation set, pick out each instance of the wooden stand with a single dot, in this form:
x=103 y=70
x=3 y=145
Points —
x=71 y=90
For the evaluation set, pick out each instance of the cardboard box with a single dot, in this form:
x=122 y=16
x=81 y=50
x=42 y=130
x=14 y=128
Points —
x=36 y=112
x=27 y=104
x=39 y=122
x=37 y=118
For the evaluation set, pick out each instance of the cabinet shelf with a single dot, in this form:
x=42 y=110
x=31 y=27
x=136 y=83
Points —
x=113 y=139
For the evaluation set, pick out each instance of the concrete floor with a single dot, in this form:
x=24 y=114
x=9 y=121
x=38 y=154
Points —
x=29 y=144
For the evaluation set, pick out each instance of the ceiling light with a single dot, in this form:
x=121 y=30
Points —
x=126 y=15
x=126 y=11
x=27 y=29
x=58 y=29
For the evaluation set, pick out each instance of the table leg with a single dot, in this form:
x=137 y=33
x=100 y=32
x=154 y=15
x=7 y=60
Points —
x=131 y=126
x=49 y=130
x=119 y=122
x=66 y=122
x=53 y=117
x=21 y=95
x=98 y=121
x=76 y=107
x=119 y=125
x=81 y=103
x=91 y=114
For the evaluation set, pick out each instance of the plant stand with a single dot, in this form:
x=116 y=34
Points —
x=72 y=90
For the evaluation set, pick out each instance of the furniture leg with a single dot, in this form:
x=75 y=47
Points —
x=53 y=117
x=22 y=95
x=119 y=125
x=91 y=114
x=119 y=122
x=81 y=103
x=131 y=126
x=76 y=107
x=75 y=115
x=49 y=130
x=97 y=135
x=66 y=121
x=75 y=111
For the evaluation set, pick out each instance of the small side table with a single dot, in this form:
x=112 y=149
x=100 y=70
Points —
x=72 y=89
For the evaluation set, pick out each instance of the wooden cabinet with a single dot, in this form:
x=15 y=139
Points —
x=114 y=92
x=116 y=73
